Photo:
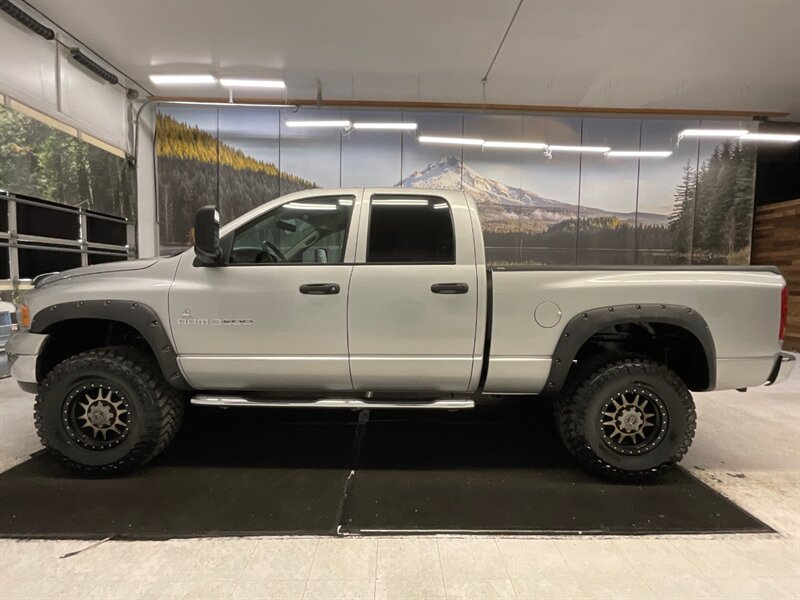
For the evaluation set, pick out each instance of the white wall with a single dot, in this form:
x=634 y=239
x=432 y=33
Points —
x=146 y=225
x=40 y=73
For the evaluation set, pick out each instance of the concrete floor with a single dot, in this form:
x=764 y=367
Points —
x=747 y=447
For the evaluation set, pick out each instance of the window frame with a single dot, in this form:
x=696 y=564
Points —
x=398 y=196
x=230 y=238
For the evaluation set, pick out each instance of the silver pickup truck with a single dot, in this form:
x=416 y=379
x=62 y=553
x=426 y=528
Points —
x=381 y=298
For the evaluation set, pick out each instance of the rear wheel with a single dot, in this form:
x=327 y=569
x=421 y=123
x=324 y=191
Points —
x=626 y=417
x=107 y=410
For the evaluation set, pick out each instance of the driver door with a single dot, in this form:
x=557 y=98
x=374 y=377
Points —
x=274 y=317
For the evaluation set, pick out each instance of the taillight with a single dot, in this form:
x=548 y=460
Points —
x=784 y=312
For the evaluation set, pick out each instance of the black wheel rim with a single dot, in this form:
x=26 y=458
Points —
x=97 y=415
x=633 y=421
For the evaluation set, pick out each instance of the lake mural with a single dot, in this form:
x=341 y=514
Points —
x=694 y=206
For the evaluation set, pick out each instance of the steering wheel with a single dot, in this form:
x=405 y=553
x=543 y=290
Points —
x=269 y=247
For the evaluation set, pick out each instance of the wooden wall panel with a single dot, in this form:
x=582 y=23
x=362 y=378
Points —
x=776 y=241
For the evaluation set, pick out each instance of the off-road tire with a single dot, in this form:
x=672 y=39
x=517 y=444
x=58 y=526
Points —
x=157 y=409
x=578 y=416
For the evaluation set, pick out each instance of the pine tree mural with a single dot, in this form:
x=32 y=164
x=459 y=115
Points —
x=713 y=210
x=682 y=217
x=195 y=169
x=42 y=161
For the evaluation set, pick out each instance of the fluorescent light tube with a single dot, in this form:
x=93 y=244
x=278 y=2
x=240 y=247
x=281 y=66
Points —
x=400 y=202
x=723 y=133
x=318 y=123
x=404 y=126
x=346 y=202
x=597 y=149
x=183 y=79
x=517 y=145
x=440 y=205
x=640 y=153
x=432 y=139
x=309 y=206
x=771 y=137
x=253 y=83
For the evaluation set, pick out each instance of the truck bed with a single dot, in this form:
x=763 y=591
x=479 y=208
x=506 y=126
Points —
x=531 y=305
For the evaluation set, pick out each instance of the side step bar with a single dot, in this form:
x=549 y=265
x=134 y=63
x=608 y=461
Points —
x=351 y=403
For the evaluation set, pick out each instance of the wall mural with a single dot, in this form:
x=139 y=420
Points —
x=694 y=206
x=39 y=160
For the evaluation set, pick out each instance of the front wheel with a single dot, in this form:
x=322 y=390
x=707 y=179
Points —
x=626 y=417
x=107 y=411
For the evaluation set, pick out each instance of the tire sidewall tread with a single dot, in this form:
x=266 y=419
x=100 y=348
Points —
x=576 y=410
x=158 y=409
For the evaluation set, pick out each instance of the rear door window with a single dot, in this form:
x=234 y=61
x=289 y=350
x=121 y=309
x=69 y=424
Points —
x=410 y=229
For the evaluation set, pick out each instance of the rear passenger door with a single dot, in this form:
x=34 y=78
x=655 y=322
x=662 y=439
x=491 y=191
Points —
x=413 y=295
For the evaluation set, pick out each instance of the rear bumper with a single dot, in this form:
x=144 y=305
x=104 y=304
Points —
x=23 y=351
x=784 y=363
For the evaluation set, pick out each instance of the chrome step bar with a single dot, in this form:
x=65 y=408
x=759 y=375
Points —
x=351 y=403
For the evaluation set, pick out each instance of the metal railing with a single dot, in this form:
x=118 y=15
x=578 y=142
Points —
x=65 y=237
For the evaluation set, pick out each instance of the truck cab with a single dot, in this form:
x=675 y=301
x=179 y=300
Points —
x=366 y=290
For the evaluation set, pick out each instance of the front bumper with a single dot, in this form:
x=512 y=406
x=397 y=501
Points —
x=23 y=351
x=784 y=363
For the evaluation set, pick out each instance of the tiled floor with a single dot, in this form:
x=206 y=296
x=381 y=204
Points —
x=747 y=447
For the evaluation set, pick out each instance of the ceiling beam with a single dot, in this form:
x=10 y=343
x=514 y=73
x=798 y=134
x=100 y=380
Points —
x=516 y=108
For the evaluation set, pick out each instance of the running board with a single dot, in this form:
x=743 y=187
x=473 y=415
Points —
x=352 y=403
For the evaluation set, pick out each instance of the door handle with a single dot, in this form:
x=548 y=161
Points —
x=319 y=289
x=450 y=288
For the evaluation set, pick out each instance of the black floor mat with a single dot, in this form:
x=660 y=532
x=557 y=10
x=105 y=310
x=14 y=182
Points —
x=227 y=473
x=274 y=472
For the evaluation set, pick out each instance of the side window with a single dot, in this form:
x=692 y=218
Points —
x=313 y=230
x=407 y=229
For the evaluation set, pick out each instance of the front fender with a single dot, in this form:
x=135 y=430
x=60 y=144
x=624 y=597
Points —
x=139 y=316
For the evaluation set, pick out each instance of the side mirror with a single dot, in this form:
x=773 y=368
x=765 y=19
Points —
x=206 y=236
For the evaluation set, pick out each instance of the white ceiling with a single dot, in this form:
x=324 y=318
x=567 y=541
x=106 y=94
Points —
x=709 y=54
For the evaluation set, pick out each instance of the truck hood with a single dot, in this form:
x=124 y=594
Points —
x=112 y=267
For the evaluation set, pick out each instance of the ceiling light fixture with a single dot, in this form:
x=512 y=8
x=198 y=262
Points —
x=595 y=149
x=788 y=138
x=28 y=21
x=720 y=133
x=277 y=84
x=183 y=79
x=388 y=126
x=640 y=153
x=432 y=139
x=318 y=123
x=515 y=145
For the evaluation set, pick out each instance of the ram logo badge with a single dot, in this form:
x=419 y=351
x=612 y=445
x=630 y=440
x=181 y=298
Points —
x=187 y=319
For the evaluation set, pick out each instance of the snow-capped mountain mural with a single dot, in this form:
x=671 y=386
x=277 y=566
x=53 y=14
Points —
x=501 y=203
x=694 y=206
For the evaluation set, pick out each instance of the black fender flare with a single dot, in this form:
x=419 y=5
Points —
x=584 y=325
x=139 y=316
